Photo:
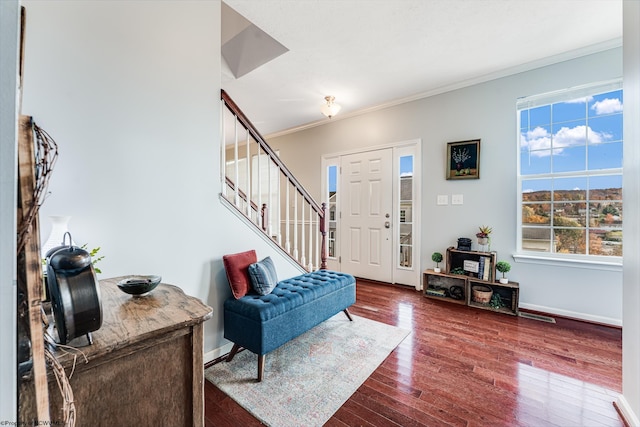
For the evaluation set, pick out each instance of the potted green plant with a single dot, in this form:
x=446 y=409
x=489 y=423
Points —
x=483 y=234
x=496 y=301
x=503 y=267
x=94 y=257
x=437 y=258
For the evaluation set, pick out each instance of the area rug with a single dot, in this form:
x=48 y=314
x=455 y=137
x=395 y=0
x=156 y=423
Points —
x=309 y=378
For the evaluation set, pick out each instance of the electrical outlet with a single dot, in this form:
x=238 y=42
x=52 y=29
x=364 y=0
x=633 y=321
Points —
x=443 y=199
x=456 y=199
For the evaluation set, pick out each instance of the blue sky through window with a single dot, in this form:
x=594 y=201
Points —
x=333 y=176
x=573 y=136
x=406 y=165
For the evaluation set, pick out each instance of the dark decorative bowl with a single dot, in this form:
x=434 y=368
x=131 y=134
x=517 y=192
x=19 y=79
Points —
x=139 y=285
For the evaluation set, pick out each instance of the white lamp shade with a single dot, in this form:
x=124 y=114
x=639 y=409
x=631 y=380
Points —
x=330 y=109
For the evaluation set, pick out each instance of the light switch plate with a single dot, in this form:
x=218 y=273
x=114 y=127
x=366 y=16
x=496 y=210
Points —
x=443 y=199
x=456 y=199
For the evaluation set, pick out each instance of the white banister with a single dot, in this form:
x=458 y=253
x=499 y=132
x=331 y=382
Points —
x=255 y=184
x=236 y=173
x=259 y=190
x=248 y=173
x=295 y=225
x=223 y=154
x=269 y=199
x=310 y=268
x=303 y=259
x=278 y=209
x=287 y=244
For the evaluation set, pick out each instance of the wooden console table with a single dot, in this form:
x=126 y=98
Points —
x=145 y=367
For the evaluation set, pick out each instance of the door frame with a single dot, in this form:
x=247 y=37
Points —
x=402 y=275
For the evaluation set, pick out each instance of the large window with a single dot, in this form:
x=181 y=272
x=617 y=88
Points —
x=570 y=172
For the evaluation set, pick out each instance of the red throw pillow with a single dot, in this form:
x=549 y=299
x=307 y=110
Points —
x=237 y=268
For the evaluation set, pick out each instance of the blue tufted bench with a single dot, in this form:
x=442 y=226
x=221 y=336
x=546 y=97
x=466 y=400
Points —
x=262 y=323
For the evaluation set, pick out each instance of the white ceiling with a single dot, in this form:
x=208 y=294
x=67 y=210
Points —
x=373 y=53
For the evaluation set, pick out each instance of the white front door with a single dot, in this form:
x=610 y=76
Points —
x=367 y=215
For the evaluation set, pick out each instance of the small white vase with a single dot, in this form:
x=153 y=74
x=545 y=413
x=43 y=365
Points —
x=504 y=280
x=59 y=226
x=436 y=269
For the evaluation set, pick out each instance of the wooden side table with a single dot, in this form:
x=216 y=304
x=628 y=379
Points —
x=145 y=366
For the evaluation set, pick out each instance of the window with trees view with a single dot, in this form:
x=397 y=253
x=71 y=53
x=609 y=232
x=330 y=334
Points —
x=570 y=171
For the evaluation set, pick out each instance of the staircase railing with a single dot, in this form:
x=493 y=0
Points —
x=260 y=186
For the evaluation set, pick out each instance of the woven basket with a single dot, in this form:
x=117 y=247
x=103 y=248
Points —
x=481 y=294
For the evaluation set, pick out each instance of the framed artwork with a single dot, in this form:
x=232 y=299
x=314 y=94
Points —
x=463 y=159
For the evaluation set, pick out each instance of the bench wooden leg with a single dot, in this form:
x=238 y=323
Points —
x=233 y=352
x=261 y=358
x=346 y=311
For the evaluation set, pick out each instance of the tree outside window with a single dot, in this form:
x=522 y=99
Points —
x=570 y=172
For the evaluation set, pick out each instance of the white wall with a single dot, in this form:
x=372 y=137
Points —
x=485 y=111
x=630 y=403
x=130 y=91
x=9 y=16
x=131 y=95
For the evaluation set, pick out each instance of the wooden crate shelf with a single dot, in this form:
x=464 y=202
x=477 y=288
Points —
x=465 y=259
x=446 y=286
x=509 y=294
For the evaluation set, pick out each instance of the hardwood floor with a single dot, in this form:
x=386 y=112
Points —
x=463 y=366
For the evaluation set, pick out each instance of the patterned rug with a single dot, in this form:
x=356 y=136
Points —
x=309 y=378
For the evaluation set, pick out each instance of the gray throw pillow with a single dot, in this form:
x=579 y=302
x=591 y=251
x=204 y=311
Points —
x=263 y=276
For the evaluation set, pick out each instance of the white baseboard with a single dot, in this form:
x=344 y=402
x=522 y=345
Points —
x=217 y=352
x=627 y=413
x=574 y=315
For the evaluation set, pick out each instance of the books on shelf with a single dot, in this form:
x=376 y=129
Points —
x=476 y=264
x=436 y=292
x=486 y=273
x=484 y=268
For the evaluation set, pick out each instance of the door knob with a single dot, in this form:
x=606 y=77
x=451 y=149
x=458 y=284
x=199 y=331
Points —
x=387 y=224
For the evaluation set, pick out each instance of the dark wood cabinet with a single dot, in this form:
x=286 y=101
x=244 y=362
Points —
x=145 y=367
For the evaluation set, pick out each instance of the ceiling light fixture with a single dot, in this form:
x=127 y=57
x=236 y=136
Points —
x=330 y=109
